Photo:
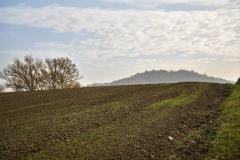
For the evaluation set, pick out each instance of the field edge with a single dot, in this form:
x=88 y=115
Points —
x=226 y=145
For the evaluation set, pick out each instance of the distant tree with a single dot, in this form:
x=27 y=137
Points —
x=163 y=76
x=238 y=81
x=50 y=74
x=76 y=85
x=60 y=72
x=33 y=74
x=2 y=89
x=22 y=75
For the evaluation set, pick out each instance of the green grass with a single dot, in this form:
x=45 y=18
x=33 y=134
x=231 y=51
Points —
x=189 y=137
x=227 y=143
x=183 y=99
x=170 y=88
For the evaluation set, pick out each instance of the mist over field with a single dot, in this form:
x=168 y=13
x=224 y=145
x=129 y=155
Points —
x=163 y=76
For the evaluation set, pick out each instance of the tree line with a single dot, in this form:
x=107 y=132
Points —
x=164 y=76
x=35 y=74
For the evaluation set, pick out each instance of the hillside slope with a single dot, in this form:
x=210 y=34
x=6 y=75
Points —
x=122 y=122
x=163 y=76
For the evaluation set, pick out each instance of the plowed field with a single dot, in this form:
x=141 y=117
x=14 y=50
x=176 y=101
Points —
x=157 y=121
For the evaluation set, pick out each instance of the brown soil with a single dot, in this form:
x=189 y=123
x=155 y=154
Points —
x=110 y=122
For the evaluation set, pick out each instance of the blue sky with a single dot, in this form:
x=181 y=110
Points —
x=113 y=39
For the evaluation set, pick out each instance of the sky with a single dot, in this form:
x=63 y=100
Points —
x=112 y=39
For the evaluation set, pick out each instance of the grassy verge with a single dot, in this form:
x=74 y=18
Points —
x=227 y=143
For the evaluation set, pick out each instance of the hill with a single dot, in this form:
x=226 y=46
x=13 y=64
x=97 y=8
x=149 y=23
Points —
x=163 y=76
x=153 y=121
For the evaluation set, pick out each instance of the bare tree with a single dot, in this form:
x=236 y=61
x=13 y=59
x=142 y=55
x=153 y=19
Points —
x=60 y=72
x=22 y=75
x=76 y=84
x=16 y=84
x=50 y=73
x=33 y=74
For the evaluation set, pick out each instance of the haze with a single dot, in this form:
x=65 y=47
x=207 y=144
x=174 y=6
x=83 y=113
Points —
x=113 y=39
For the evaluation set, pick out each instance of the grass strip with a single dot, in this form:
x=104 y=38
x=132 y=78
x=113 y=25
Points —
x=227 y=143
x=185 y=98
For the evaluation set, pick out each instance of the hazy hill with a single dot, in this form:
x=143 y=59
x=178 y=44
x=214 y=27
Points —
x=163 y=76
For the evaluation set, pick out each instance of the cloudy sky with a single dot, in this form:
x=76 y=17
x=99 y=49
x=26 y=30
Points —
x=113 y=39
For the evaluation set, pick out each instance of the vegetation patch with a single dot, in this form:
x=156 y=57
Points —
x=190 y=137
x=227 y=143
x=185 y=98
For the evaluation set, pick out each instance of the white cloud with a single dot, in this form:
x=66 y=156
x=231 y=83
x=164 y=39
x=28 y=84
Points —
x=133 y=32
x=144 y=62
x=201 y=60
x=232 y=60
x=35 y=53
x=55 y=45
x=155 y=3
